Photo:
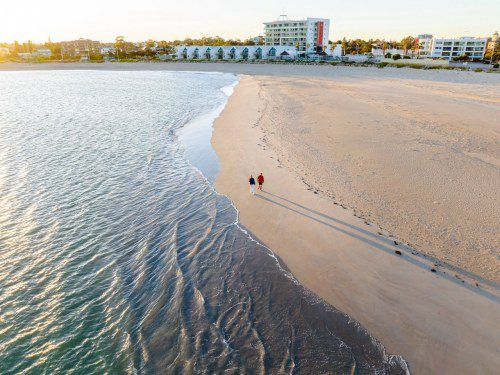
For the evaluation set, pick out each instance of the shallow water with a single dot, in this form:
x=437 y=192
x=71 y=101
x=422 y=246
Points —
x=116 y=254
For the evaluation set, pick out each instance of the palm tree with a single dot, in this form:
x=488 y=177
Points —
x=119 y=44
x=384 y=45
x=407 y=43
x=345 y=44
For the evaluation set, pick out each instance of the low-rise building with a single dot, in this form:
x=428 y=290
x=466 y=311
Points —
x=4 y=52
x=107 y=50
x=235 y=52
x=25 y=55
x=80 y=47
x=448 y=48
x=44 y=52
x=379 y=52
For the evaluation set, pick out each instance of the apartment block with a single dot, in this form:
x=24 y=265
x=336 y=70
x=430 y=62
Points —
x=425 y=44
x=307 y=36
x=455 y=47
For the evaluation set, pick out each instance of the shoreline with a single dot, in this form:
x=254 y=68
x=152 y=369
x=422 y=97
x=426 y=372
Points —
x=193 y=136
x=266 y=69
x=415 y=313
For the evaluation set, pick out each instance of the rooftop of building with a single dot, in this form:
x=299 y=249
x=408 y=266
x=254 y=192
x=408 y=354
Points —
x=286 y=20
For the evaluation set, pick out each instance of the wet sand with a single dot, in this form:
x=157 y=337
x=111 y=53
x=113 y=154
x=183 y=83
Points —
x=439 y=321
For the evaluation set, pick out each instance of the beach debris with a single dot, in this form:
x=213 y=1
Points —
x=396 y=243
x=433 y=270
x=398 y=252
x=379 y=233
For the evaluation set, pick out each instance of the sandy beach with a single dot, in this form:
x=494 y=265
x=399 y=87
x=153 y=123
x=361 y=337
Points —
x=361 y=163
x=351 y=167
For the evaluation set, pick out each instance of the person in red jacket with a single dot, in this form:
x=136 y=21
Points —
x=260 y=180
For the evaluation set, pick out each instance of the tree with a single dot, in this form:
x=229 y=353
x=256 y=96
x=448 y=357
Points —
x=384 y=45
x=345 y=45
x=119 y=45
x=407 y=43
x=417 y=46
x=150 y=44
x=166 y=47
x=493 y=54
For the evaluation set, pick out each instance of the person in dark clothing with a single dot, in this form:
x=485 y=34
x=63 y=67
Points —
x=252 y=185
x=260 y=180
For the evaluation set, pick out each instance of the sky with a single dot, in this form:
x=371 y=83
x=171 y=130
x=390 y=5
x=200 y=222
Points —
x=103 y=20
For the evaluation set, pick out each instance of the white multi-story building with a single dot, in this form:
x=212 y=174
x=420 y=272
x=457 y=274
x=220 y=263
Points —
x=456 y=47
x=425 y=44
x=307 y=36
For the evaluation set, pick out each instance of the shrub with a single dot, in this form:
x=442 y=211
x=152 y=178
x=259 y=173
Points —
x=496 y=65
x=382 y=65
x=478 y=70
x=396 y=56
x=406 y=57
x=388 y=55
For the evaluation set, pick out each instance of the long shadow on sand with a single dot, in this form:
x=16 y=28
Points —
x=359 y=234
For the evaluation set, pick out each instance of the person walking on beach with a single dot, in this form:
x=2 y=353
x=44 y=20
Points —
x=252 y=184
x=260 y=180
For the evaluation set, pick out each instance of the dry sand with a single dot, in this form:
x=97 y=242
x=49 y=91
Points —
x=361 y=142
x=420 y=159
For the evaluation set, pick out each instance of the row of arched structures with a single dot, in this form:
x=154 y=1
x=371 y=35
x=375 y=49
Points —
x=236 y=52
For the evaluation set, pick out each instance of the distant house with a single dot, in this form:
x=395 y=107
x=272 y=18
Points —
x=25 y=55
x=4 y=52
x=80 y=47
x=379 y=52
x=337 y=51
x=107 y=50
x=43 y=52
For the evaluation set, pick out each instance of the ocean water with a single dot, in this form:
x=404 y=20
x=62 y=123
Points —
x=117 y=255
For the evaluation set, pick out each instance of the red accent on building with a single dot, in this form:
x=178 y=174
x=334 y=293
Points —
x=319 y=40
